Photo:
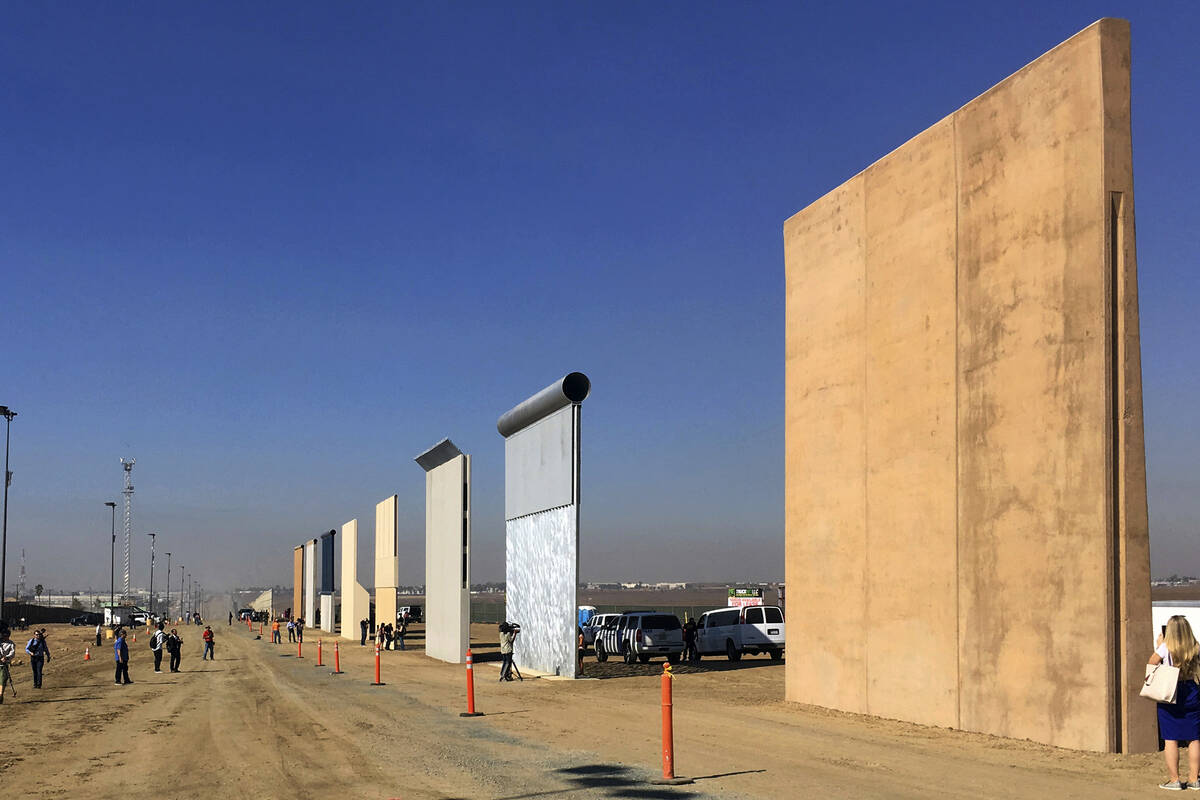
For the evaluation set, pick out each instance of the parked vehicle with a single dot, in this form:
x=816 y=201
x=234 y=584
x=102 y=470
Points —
x=639 y=636
x=414 y=613
x=593 y=626
x=734 y=631
x=245 y=614
x=90 y=619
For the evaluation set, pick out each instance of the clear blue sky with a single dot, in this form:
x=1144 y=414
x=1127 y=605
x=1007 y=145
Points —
x=275 y=251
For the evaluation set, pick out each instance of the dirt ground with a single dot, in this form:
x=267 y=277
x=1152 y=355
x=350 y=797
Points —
x=261 y=723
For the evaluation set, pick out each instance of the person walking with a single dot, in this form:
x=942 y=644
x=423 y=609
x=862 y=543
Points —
x=689 y=641
x=1180 y=721
x=121 y=656
x=157 y=640
x=98 y=625
x=231 y=619
x=506 y=651
x=580 y=647
x=175 y=648
x=39 y=654
x=209 y=642
x=363 y=624
x=8 y=651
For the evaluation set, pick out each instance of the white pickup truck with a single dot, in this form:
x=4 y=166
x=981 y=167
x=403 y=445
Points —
x=733 y=631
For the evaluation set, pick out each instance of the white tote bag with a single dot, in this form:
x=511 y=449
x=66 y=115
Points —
x=1161 y=683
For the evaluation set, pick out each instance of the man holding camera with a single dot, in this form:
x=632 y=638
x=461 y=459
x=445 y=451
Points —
x=508 y=635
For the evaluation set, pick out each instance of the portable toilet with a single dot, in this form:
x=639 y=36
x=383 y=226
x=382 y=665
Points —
x=585 y=614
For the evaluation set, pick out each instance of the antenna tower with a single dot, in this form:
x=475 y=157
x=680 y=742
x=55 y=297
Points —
x=127 y=463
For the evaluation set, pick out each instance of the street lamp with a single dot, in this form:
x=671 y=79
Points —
x=167 y=613
x=112 y=558
x=181 y=591
x=8 y=414
x=151 y=535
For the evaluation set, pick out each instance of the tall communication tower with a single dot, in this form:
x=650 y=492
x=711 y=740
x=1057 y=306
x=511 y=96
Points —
x=21 y=579
x=127 y=463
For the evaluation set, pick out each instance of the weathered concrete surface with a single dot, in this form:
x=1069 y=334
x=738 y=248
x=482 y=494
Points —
x=967 y=540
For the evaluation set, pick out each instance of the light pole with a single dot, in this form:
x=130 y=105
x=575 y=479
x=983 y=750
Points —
x=167 y=613
x=152 y=535
x=181 y=591
x=112 y=559
x=188 y=611
x=8 y=414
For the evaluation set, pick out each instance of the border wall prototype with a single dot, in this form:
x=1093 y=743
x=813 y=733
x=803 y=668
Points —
x=964 y=445
x=541 y=512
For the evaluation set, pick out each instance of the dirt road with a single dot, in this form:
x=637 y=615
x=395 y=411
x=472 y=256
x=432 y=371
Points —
x=261 y=723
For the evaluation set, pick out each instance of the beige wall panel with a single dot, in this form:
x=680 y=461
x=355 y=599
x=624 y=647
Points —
x=1134 y=577
x=387 y=564
x=356 y=602
x=1033 y=416
x=297 y=579
x=911 y=552
x=825 y=430
x=965 y=488
x=447 y=561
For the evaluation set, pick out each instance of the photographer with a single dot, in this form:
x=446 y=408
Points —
x=508 y=635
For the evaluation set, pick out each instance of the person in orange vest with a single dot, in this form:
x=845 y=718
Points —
x=275 y=631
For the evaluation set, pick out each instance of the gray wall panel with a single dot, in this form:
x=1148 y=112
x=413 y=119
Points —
x=542 y=570
x=539 y=465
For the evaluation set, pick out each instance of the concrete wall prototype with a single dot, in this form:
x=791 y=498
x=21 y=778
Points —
x=310 y=581
x=264 y=602
x=964 y=420
x=327 y=612
x=297 y=580
x=541 y=511
x=447 y=551
x=387 y=562
x=356 y=602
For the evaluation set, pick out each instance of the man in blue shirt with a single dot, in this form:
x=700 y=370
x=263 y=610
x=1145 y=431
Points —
x=121 y=655
x=39 y=654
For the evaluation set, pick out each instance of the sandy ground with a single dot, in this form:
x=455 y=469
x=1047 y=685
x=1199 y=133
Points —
x=261 y=723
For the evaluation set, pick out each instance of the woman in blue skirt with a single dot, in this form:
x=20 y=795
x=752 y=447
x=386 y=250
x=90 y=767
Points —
x=1180 y=721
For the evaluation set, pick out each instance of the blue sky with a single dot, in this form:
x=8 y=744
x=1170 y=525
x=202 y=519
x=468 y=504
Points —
x=274 y=252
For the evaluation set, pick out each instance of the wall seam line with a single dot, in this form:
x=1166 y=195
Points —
x=957 y=433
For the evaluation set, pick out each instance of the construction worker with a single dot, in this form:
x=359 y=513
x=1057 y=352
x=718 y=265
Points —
x=275 y=632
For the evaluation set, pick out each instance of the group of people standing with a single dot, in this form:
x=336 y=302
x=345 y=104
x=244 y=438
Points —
x=391 y=637
x=37 y=650
x=160 y=641
x=387 y=635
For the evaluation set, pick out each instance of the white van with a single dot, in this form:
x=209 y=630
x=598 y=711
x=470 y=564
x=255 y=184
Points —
x=733 y=631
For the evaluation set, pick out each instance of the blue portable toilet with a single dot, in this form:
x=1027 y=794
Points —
x=585 y=614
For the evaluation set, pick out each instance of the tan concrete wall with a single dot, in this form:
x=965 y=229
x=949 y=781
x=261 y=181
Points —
x=447 y=588
x=356 y=602
x=297 y=579
x=387 y=563
x=966 y=524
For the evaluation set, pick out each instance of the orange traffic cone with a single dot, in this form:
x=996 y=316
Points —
x=135 y=638
x=87 y=654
